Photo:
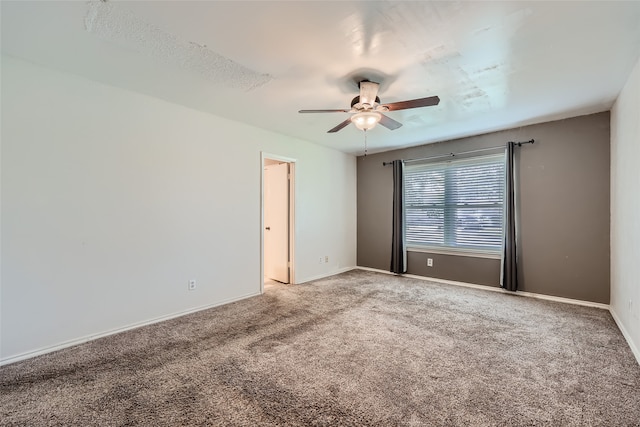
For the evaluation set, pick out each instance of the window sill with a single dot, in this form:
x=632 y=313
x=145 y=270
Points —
x=457 y=252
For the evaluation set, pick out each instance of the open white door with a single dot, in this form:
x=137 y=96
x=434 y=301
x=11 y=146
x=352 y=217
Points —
x=276 y=222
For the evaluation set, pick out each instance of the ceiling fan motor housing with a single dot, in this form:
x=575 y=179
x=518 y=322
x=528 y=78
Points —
x=355 y=103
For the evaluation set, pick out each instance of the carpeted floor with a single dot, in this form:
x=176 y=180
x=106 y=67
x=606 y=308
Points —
x=360 y=348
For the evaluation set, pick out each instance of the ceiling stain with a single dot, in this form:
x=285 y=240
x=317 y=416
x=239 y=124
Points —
x=124 y=28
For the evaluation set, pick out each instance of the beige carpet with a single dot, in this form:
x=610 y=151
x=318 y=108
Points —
x=359 y=348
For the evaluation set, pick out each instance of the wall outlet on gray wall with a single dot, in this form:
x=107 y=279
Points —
x=429 y=262
x=192 y=284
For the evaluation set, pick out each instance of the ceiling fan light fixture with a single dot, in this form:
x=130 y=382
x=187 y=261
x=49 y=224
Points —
x=366 y=120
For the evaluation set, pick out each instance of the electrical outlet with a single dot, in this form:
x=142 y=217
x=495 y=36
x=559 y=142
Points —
x=320 y=260
x=429 y=262
x=630 y=306
x=326 y=259
x=192 y=284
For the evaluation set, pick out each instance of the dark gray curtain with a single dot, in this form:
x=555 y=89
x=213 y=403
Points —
x=398 y=246
x=510 y=256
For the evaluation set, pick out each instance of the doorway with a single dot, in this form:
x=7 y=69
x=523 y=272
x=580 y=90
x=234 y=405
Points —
x=277 y=219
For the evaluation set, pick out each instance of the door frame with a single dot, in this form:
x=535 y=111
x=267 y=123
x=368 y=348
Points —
x=292 y=204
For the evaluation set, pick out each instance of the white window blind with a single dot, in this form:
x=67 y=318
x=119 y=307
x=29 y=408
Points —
x=456 y=204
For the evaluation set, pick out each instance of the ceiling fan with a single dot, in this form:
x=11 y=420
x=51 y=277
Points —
x=367 y=110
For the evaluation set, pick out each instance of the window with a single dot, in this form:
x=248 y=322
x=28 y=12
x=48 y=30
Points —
x=457 y=204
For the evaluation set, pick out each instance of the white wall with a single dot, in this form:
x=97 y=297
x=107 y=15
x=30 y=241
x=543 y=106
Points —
x=625 y=210
x=112 y=201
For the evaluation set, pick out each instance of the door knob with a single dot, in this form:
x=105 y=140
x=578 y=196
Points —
x=267 y=228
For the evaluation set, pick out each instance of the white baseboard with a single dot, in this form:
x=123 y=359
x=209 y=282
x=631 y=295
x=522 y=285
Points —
x=563 y=300
x=625 y=334
x=322 y=276
x=87 y=338
x=81 y=340
x=496 y=289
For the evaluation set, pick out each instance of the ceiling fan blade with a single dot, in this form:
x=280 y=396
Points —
x=323 y=111
x=368 y=92
x=340 y=126
x=414 y=103
x=389 y=123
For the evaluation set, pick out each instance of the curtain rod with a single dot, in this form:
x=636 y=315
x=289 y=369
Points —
x=519 y=144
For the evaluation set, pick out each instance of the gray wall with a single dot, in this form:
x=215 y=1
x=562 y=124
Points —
x=564 y=210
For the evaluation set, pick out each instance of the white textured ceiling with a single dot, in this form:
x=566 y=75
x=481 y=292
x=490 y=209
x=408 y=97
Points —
x=494 y=65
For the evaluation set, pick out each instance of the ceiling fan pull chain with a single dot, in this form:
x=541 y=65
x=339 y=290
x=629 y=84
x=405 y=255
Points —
x=365 y=143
